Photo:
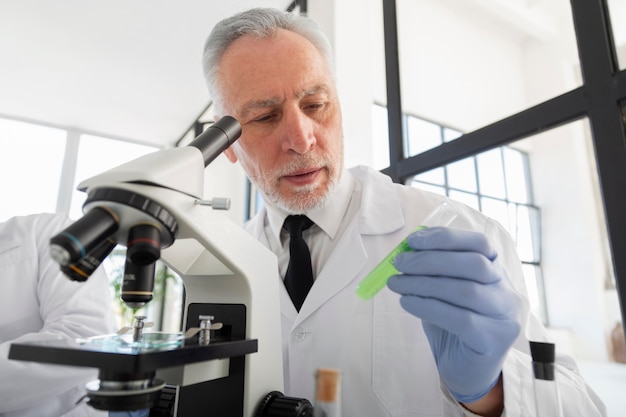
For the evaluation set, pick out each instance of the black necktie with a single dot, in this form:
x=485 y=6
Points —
x=299 y=277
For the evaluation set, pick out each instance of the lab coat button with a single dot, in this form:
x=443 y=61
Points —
x=299 y=334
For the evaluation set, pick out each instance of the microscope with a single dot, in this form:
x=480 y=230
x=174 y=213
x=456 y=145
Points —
x=228 y=362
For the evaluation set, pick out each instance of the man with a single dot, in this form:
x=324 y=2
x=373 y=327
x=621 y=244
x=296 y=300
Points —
x=39 y=303
x=463 y=349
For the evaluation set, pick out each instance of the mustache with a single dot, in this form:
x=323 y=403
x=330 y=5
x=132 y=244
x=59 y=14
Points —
x=299 y=162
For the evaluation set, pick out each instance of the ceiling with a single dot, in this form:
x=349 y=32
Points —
x=117 y=68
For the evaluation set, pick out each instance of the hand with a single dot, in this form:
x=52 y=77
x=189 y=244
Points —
x=469 y=310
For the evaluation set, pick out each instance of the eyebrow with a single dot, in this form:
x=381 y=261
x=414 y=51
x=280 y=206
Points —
x=247 y=108
x=252 y=105
x=313 y=90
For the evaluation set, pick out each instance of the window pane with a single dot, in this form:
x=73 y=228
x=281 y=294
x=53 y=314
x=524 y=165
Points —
x=467 y=198
x=96 y=155
x=380 y=132
x=617 y=10
x=534 y=285
x=515 y=169
x=462 y=175
x=422 y=135
x=490 y=174
x=527 y=232
x=499 y=211
x=434 y=176
x=450 y=134
x=30 y=167
x=427 y=187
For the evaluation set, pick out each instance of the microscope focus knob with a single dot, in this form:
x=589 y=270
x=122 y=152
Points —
x=275 y=404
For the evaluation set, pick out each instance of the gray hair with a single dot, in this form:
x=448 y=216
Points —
x=261 y=23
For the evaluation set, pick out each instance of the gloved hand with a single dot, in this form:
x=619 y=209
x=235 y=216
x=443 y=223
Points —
x=469 y=310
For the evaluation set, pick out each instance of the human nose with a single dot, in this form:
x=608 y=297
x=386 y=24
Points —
x=298 y=135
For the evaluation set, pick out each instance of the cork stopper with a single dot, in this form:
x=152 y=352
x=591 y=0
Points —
x=328 y=384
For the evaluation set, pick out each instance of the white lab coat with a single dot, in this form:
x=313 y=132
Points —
x=38 y=303
x=386 y=363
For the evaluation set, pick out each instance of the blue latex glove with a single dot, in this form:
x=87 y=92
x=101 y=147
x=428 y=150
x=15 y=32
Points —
x=469 y=310
x=136 y=413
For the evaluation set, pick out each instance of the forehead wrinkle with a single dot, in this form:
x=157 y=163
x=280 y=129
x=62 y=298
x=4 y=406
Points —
x=312 y=91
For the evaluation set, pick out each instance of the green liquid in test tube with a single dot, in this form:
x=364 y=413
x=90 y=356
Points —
x=377 y=279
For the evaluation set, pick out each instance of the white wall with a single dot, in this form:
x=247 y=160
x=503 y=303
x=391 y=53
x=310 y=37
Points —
x=349 y=24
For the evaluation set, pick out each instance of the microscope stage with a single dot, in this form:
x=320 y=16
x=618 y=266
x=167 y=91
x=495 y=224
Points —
x=122 y=358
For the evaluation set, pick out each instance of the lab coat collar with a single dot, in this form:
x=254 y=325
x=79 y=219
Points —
x=381 y=207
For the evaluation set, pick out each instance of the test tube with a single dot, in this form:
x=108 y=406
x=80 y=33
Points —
x=376 y=280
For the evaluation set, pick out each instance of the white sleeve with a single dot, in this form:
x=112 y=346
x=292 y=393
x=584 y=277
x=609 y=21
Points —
x=42 y=304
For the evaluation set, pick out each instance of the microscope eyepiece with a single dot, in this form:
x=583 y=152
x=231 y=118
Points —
x=83 y=236
x=219 y=136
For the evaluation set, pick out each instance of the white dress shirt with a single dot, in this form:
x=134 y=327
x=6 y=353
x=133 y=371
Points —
x=324 y=234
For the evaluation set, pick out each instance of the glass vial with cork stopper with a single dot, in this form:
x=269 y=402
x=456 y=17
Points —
x=327 y=393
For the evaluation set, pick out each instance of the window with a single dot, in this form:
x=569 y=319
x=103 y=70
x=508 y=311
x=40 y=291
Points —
x=31 y=163
x=496 y=183
x=45 y=160
x=380 y=130
x=96 y=155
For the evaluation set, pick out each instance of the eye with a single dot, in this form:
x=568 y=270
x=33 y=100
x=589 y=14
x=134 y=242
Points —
x=315 y=106
x=266 y=118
